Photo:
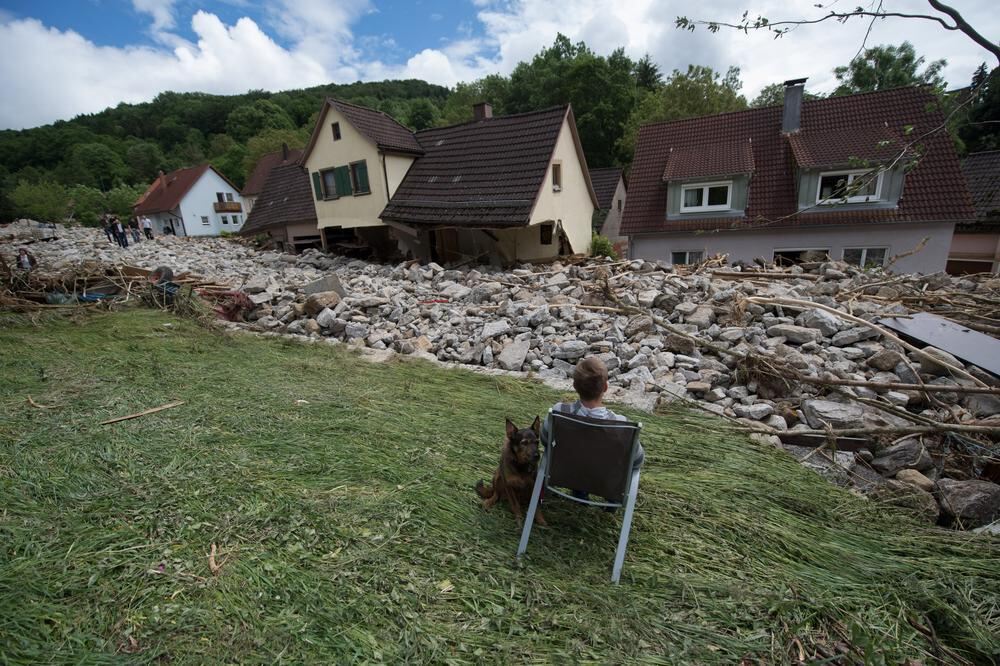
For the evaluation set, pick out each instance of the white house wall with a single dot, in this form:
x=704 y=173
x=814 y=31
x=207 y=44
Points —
x=200 y=201
x=351 y=212
x=571 y=207
x=752 y=243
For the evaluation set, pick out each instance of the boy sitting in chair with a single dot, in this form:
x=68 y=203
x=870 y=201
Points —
x=590 y=379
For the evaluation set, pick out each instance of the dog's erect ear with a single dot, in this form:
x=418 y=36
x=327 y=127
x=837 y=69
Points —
x=536 y=425
x=511 y=428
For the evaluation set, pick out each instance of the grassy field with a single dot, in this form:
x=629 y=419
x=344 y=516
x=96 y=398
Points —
x=339 y=494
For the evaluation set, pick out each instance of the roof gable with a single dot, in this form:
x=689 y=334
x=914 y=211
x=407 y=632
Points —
x=286 y=198
x=934 y=189
x=982 y=174
x=605 y=182
x=255 y=182
x=484 y=173
x=166 y=192
x=380 y=128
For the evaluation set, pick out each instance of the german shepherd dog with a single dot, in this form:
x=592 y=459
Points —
x=515 y=476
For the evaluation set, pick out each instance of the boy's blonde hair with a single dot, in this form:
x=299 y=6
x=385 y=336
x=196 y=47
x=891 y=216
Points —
x=590 y=377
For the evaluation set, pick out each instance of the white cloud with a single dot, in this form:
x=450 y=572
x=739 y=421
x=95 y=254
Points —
x=161 y=11
x=61 y=74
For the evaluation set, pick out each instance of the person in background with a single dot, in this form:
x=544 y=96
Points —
x=106 y=226
x=133 y=227
x=25 y=260
x=119 y=230
x=147 y=227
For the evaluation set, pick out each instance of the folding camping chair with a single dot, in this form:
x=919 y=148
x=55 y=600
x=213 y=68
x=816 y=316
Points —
x=595 y=456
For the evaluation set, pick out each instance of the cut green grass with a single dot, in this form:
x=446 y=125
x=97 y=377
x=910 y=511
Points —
x=339 y=494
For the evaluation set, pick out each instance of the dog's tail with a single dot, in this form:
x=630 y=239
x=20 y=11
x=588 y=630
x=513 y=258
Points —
x=483 y=490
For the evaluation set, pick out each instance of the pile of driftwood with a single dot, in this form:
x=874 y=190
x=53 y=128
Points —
x=91 y=284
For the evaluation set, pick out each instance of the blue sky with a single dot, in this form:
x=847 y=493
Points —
x=64 y=58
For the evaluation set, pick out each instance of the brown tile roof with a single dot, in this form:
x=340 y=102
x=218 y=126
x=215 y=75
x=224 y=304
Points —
x=379 y=127
x=165 y=193
x=287 y=198
x=727 y=158
x=982 y=174
x=255 y=183
x=483 y=174
x=605 y=183
x=836 y=148
x=934 y=190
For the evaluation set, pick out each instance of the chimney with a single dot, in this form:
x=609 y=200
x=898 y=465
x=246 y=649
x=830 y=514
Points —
x=284 y=151
x=792 y=112
x=482 y=111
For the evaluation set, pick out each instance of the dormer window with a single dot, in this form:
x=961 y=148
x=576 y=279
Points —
x=837 y=187
x=704 y=197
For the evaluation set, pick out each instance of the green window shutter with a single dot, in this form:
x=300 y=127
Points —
x=342 y=174
x=317 y=186
x=361 y=169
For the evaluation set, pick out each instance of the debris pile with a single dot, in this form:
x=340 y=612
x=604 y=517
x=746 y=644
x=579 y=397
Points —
x=802 y=355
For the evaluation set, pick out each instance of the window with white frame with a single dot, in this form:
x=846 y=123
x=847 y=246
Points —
x=225 y=219
x=700 y=197
x=236 y=219
x=865 y=256
x=687 y=256
x=849 y=187
x=229 y=196
x=204 y=220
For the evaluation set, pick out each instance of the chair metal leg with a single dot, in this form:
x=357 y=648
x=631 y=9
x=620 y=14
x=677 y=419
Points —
x=633 y=492
x=536 y=494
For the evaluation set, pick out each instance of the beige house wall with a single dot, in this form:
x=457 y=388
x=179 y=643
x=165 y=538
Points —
x=396 y=167
x=613 y=221
x=352 y=211
x=982 y=247
x=572 y=208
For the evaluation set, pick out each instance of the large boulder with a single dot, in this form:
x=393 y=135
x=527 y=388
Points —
x=638 y=324
x=494 y=329
x=908 y=454
x=317 y=301
x=885 y=360
x=971 y=503
x=930 y=366
x=907 y=497
x=854 y=335
x=328 y=283
x=797 y=334
x=823 y=321
x=819 y=413
x=702 y=317
x=570 y=350
x=512 y=356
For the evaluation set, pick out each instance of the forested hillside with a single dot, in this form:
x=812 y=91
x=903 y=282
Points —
x=103 y=161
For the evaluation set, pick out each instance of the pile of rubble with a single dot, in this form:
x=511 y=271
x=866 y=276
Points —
x=795 y=354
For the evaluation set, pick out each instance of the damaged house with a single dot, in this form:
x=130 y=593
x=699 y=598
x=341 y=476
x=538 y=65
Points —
x=500 y=188
x=859 y=178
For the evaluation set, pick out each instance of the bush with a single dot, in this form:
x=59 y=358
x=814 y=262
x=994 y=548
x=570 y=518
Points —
x=226 y=234
x=601 y=246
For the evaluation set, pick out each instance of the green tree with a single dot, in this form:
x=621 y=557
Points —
x=120 y=200
x=46 y=202
x=647 y=74
x=421 y=115
x=601 y=91
x=93 y=164
x=144 y=160
x=231 y=164
x=86 y=204
x=887 y=66
x=493 y=89
x=250 y=119
x=270 y=141
x=701 y=91
x=981 y=127
x=774 y=95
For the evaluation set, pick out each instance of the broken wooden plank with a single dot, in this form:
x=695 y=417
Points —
x=153 y=410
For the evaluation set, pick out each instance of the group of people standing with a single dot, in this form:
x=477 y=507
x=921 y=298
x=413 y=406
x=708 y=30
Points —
x=117 y=232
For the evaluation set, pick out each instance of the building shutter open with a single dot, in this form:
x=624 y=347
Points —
x=361 y=172
x=342 y=176
x=317 y=186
